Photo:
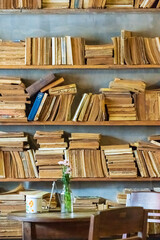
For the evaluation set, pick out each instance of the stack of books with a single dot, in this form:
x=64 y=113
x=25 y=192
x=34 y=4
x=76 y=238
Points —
x=54 y=105
x=85 y=157
x=13 y=99
x=147 y=157
x=121 y=99
x=10 y=203
x=87 y=203
x=68 y=50
x=12 y=53
x=55 y=4
x=51 y=151
x=17 y=159
x=119 y=3
x=87 y=4
x=99 y=54
x=119 y=104
x=11 y=4
x=122 y=196
x=133 y=50
x=91 y=108
x=38 y=51
x=120 y=161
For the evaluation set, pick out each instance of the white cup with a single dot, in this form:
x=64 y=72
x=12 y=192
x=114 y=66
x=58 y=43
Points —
x=33 y=204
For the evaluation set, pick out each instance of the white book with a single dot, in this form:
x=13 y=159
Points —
x=54 y=49
x=69 y=50
x=63 y=51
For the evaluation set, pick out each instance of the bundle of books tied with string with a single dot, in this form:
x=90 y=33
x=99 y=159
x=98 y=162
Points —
x=51 y=151
x=85 y=157
x=53 y=102
x=17 y=158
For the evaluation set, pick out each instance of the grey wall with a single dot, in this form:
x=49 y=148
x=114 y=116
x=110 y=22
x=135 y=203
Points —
x=96 y=29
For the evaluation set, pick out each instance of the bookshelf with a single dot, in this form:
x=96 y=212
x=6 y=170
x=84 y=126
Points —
x=79 y=67
x=79 y=11
x=70 y=123
x=128 y=70
x=82 y=180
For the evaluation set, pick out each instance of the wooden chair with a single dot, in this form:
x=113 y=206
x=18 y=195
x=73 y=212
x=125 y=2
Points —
x=149 y=201
x=116 y=222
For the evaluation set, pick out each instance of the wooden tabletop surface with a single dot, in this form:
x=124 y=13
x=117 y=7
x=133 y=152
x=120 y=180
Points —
x=50 y=216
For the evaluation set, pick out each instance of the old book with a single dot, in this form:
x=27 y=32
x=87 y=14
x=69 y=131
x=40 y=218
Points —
x=40 y=107
x=35 y=106
x=2 y=166
x=95 y=109
x=51 y=85
x=124 y=35
x=44 y=112
x=38 y=85
x=141 y=163
x=83 y=145
x=80 y=106
x=20 y=168
x=28 y=54
x=32 y=159
x=69 y=50
x=155 y=163
x=152 y=105
x=66 y=89
x=84 y=108
x=149 y=164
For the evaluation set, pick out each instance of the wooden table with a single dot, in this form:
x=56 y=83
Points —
x=53 y=225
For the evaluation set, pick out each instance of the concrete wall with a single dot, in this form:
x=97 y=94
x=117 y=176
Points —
x=96 y=28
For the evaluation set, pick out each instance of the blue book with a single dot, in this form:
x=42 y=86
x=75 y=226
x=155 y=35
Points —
x=76 y=3
x=35 y=106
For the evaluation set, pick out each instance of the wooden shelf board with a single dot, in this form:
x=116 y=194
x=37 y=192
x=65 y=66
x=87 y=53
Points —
x=71 y=123
x=139 y=179
x=79 y=67
x=78 y=11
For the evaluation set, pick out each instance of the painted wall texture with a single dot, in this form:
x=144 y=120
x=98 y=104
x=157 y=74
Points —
x=95 y=28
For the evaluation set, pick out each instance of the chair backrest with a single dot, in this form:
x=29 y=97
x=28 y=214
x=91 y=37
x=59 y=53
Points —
x=147 y=200
x=117 y=222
